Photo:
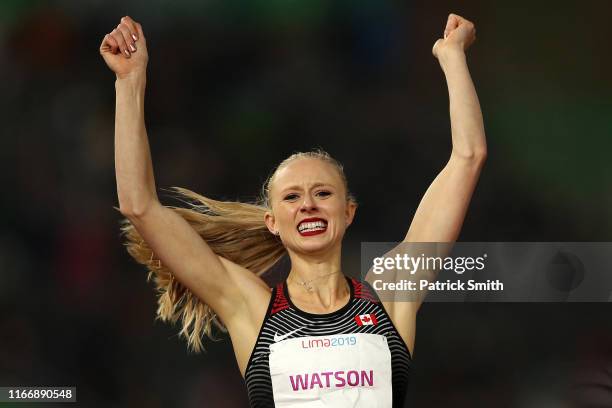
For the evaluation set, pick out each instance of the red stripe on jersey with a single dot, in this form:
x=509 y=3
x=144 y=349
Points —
x=280 y=301
x=363 y=292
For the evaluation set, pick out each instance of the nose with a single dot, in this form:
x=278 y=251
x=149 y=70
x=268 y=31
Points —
x=308 y=204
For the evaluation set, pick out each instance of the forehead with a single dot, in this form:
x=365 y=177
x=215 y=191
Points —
x=304 y=172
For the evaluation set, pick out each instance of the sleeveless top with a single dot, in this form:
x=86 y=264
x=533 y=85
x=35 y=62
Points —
x=353 y=357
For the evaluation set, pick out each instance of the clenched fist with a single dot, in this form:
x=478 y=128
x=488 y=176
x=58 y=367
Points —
x=125 y=49
x=458 y=34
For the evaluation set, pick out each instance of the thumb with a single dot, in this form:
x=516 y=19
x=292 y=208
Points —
x=451 y=23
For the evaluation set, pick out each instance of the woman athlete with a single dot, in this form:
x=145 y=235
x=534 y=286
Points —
x=319 y=338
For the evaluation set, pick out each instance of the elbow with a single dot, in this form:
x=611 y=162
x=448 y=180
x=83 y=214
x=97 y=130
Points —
x=476 y=156
x=481 y=155
x=133 y=210
x=130 y=212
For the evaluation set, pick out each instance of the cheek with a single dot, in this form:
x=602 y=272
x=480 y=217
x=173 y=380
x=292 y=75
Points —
x=338 y=212
x=286 y=215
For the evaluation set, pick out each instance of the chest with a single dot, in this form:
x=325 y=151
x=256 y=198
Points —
x=342 y=370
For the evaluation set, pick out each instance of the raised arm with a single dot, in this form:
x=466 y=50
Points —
x=442 y=209
x=225 y=286
x=440 y=214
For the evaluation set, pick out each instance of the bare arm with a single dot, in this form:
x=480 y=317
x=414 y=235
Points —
x=441 y=212
x=224 y=285
x=133 y=165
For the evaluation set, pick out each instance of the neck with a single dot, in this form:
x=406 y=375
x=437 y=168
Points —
x=317 y=282
x=306 y=267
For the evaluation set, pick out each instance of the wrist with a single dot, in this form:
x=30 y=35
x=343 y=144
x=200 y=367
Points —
x=451 y=56
x=135 y=77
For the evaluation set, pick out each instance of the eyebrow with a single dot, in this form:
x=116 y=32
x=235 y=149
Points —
x=315 y=185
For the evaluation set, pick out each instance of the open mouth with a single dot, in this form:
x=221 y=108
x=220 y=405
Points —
x=312 y=226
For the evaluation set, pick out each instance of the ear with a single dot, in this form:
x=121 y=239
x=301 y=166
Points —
x=270 y=222
x=351 y=208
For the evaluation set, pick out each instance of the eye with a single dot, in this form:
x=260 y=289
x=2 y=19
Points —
x=291 y=197
x=323 y=193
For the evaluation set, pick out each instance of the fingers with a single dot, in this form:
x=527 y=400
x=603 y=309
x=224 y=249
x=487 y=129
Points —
x=455 y=21
x=117 y=35
x=109 y=44
x=131 y=26
x=127 y=37
x=451 y=23
x=123 y=38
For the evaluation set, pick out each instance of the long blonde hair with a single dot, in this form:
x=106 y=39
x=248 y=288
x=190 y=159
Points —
x=234 y=230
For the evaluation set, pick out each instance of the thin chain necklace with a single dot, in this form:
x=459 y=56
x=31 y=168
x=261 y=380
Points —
x=307 y=284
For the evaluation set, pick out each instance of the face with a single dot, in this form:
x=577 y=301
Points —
x=309 y=206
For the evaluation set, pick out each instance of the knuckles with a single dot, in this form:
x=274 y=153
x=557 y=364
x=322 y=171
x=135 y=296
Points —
x=127 y=22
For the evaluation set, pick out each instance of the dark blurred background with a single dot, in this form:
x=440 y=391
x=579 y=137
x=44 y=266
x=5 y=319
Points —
x=236 y=86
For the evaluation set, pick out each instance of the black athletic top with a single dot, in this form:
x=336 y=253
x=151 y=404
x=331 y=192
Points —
x=353 y=357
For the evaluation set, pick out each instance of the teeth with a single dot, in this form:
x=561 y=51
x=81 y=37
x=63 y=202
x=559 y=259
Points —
x=311 y=226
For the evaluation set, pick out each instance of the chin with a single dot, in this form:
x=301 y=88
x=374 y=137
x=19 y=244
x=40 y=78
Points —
x=314 y=245
x=313 y=249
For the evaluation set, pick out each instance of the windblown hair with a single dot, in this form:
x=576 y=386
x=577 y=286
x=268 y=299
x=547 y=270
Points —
x=234 y=230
